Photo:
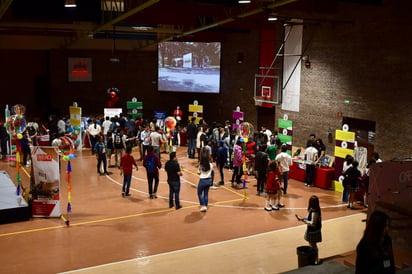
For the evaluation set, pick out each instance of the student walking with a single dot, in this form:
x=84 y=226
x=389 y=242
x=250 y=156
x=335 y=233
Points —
x=126 y=167
x=152 y=164
x=100 y=151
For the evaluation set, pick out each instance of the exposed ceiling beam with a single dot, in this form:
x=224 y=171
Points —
x=276 y=4
x=125 y=15
x=5 y=4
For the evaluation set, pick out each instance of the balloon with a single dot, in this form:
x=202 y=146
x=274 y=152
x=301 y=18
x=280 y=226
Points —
x=170 y=122
x=74 y=135
x=247 y=129
x=19 y=109
x=15 y=124
x=64 y=146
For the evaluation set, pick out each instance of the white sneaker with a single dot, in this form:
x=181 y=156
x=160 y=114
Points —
x=203 y=208
x=213 y=187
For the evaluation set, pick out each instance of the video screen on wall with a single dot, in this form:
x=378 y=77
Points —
x=189 y=67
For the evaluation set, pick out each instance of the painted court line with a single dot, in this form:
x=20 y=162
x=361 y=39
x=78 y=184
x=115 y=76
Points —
x=206 y=245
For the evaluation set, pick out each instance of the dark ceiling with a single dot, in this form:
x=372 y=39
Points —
x=151 y=21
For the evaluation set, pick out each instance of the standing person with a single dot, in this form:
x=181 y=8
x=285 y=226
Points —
x=25 y=147
x=273 y=190
x=311 y=156
x=313 y=220
x=100 y=151
x=93 y=132
x=145 y=138
x=205 y=171
x=374 y=253
x=61 y=127
x=351 y=182
x=261 y=165
x=109 y=148
x=119 y=145
x=221 y=160
x=172 y=168
x=285 y=162
x=156 y=140
x=126 y=168
x=346 y=164
x=272 y=150
x=311 y=140
x=191 y=138
x=237 y=164
x=106 y=127
x=152 y=164
x=321 y=147
x=178 y=114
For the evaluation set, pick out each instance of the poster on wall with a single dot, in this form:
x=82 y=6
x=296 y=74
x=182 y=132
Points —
x=45 y=186
x=80 y=69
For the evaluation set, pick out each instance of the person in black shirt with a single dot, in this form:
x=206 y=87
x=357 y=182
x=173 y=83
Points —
x=191 y=137
x=172 y=168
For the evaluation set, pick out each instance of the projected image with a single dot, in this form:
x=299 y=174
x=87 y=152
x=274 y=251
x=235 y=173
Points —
x=189 y=67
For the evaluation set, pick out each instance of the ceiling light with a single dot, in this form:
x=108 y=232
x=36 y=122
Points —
x=142 y=28
x=272 y=18
x=70 y=4
x=244 y=1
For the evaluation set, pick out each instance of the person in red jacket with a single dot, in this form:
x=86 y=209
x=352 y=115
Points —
x=126 y=167
x=273 y=191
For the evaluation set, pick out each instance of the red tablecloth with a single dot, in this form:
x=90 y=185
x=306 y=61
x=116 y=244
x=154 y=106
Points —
x=323 y=176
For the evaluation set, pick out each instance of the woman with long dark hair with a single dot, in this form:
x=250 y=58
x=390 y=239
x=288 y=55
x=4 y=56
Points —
x=313 y=220
x=205 y=171
x=374 y=253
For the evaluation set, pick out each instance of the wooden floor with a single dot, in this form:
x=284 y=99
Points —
x=108 y=233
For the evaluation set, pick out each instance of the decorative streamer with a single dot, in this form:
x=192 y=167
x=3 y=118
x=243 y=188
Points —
x=69 y=188
x=18 y=178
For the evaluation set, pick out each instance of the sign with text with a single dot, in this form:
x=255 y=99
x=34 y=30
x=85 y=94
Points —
x=80 y=69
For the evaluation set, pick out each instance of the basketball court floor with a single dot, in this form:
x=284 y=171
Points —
x=111 y=234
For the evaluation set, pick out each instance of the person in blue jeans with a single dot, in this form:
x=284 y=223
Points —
x=191 y=138
x=172 y=168
x=126 y=167
x=205 y=172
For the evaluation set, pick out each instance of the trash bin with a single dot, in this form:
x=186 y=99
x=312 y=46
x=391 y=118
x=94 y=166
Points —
x=306 y=255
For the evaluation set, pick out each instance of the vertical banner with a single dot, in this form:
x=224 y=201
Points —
x=195 y=110
x=292 y=68
x=344 y=145
x=238 y=117
x=285 y=132
x=45 y=184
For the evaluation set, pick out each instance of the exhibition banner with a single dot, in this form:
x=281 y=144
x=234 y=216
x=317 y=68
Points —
x=45 y=183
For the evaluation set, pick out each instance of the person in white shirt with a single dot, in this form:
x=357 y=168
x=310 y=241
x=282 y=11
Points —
x=268 y=133
x=284 y=161
x=106 y=126
x=311 y=156
x=94 y=131
x=156 y=139
x=61 y=127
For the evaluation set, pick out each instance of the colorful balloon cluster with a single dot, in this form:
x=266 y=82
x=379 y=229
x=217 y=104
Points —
x=247 y=129
x=64 y=146
x=170 y=122
x=16 y=123
x=74 y=132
